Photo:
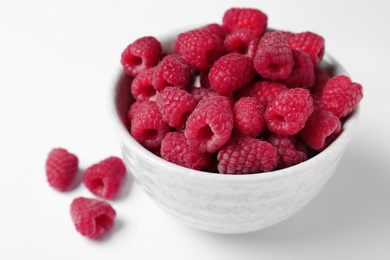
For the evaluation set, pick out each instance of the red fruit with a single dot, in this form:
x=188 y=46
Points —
x=61 y=168
x=142 y=86
x=105 y=178
x=243 y=41
x=302 y=73
x=311 y=43
x=92 y=218
x=200 y=93
x=249 y=116
x=216 y=29
x=249 y=18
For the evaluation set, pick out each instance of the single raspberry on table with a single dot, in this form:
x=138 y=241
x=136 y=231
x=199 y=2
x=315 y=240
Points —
x=142 y=85
x=245 y=155
x=92 y=218
x=174 y=148
x=341 y=96
x=172 y=70
x=61 y=168
x=249 y=18
x=105 y=178
x=231 y=72
x=200 y=48
x=143 y=53
x=273 y=59
x=249 y=117
x=302 y=73
x=243 y=41
x=309 y=42
x=321 y=129
x=210 y=125
x=147 y=125
x=287 y=114
x=175 y=106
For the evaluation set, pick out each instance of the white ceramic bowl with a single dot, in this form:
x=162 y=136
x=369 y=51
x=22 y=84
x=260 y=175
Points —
x=218 y=202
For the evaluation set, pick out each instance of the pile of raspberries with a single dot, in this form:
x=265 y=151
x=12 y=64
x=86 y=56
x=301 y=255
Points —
x=236 y=97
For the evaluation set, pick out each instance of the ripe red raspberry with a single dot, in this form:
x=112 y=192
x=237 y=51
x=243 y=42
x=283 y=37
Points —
x=290 y=149
x=250 y=18
x=287 y=114
x=147 y=125
x=174 y=148
x=321 y=78
x=216 y=29
x=243 y=41
x=321 y=129
x=200 y=48
x=175 y=106
x=132 y=110
x=142 y=86
x=341 y=96
x=264 y=90
x=105 y=178
x=171 y=71
x=273 y=59
x=143 y=53
x=61 y=168
x=249 y=116
x=92 y=218
x=200 y=93
x=231 y=72
x=244 y=155
x=210 y=125
x=302 y=73
x=311 y=43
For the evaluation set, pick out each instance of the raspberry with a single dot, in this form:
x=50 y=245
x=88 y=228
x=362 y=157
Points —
x=200 y=48
x=302 y=74
x=231 y=72
x=175 y=106
x=171 y=71
x=143 y=53
x=92 y=218
x=216 y=29
x=244 y=155
x=287 y=114
x=311 y=43
x=105 y=178
x=321 y=78
x=249 y=116
x=341 y=96
x=147 y=125
x=264 y=90
x=250 y=18
x=174 y=148
x=142 y=87
x=243 y=41
x=200 y=93
x=61 y=168
x=273 y=59
x=210 y=125
x=132 y=110
x=291 y=151
x=321 y=129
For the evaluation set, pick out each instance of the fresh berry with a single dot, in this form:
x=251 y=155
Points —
x=61 y=168
x=249 y=116
x=287 y=114
x=105 y=178
x=171 y=71
x=175 y=106
x=290 y=149
x=216 y=29
x=200 y=93
x=92 y=218
x=302 y=73
x=200 y=48
x=273 y=59
x=210 y=125
x=174 y=148
x=244 y=155
x=231 y=72
x=243 y=41
x=142 y=86
x=341 y=96
x=250 y=18
x=264 y=90
x=143 y=53
x=132 y=110
x=309 y=42
x=321 y=129
x=321 y=78
x=147 y=125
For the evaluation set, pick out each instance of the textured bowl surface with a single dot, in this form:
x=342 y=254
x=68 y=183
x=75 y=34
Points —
x=225 y=203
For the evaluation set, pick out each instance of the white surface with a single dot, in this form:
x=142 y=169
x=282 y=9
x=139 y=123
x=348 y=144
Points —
x=56 y=59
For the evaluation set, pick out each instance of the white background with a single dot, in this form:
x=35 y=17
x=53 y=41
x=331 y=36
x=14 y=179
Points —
x=57 y=60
